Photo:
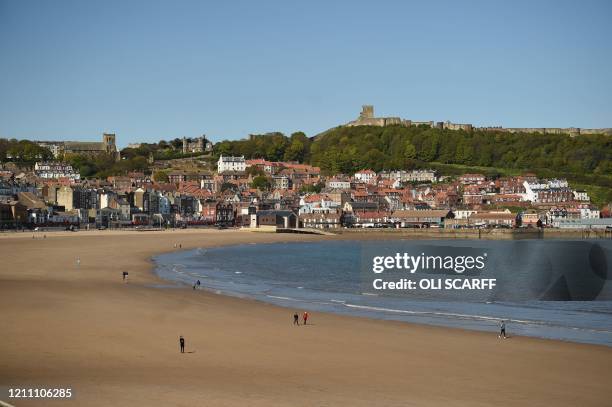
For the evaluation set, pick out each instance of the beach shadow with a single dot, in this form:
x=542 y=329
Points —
x=191 y=351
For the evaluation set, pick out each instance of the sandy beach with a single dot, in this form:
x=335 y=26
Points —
x=82 y=327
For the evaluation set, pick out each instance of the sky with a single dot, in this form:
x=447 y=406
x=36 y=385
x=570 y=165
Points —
x=151 y=70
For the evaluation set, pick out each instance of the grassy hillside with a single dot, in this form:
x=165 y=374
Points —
x=585 y=160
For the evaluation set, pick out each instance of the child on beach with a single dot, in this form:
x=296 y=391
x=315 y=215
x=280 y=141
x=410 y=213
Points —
x=296 y=319
x=305 y=316
x=502 y=329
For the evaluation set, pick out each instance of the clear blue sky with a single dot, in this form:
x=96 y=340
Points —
x=149 y=70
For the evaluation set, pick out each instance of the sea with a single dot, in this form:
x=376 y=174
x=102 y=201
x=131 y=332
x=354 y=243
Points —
x=554 y=289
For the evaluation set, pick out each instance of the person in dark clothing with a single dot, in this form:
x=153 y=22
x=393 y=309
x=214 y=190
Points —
x=296 y=319
x=182 y=342
x=198 y=283
x=125 y=274
x=502 y=329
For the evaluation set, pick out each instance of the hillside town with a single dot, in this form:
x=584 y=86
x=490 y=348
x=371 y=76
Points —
x=256 y=193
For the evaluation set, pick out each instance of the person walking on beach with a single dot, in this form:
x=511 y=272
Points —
x=502 y=329
x=296 y=319
x=125 y=274
x=305 y=317
x=182 y=342
x=198 y=283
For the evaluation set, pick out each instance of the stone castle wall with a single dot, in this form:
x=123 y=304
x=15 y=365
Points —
x=366 y=118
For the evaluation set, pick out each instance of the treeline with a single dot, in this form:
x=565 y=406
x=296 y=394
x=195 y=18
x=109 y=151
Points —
x=271 y=146
x=105 y=165
x=163 y=150
x=23 y=151
x=348 y=149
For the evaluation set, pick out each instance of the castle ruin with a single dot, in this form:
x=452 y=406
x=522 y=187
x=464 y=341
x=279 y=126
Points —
x=197 y=145
x=367 y=118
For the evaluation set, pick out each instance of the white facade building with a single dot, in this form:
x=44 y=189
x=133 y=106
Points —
x=338 y=184
x=237 y=164
x=55 y=170
x=281 y=182
x=410 y=176
x=365 y=176
x=463 y=213
x=587 y=212
x=581 y=196
x=548 y=191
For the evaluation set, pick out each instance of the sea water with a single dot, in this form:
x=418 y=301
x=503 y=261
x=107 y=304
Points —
x=546 y=288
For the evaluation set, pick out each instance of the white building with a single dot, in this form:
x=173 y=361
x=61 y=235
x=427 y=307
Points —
x=338 y=184
x=105 y=198
x=365 y=176
x=411 y=176
x=237 y=164
x=55 y=170
x=534 y=190
x=281 y=182
x=580 y=195
x=463 y=213
x=318 y=204
x=588 y=212
x=558 y=183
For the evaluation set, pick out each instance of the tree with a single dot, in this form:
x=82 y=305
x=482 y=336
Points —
x=177 y=143
x=311 y=188
x=260 y=182
x=254 y=171
x=23 y=151
x=409 y=150
x=295 y=152
x=161 y=176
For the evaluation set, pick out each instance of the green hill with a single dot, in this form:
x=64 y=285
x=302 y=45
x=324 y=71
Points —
x=585 y=160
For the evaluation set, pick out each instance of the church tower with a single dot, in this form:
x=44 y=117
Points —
x=108 y=141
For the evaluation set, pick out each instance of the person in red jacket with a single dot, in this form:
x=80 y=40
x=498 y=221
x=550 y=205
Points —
x=305 y=317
